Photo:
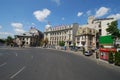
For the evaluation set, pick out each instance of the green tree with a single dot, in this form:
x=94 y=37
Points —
x=117 y=58
x=111 y=57
x=9 y=40
x=41 y=42
x=61 y=43
x=113 y=30
x=2 y=41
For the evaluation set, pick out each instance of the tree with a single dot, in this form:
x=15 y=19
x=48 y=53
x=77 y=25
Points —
x=113 y=30
x=61 y=43
x=2 y=41
x=117 y=58
x=46 y=41
x=111 y=57
x=41 y=42
x=9 y=40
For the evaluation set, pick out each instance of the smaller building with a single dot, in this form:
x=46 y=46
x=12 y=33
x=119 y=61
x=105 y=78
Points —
x=85 y=37
x=28 y=39
x=104 y=53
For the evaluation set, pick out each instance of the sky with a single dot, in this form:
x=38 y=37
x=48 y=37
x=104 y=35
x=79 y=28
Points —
x=18 y=16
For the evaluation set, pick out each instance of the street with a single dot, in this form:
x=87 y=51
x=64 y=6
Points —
x=48 y=64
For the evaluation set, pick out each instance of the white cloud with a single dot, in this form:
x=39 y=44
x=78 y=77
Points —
x=88 y=12
x=79 y=14
x=19 y=30
x=41 y=15
x=116 y=16
x=5 y=33
x=18 y=27
x=57 y=2
x=101 y=11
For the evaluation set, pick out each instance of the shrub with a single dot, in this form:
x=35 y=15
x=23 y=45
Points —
x=117 y=58
x=111 y=58
x=61 y=43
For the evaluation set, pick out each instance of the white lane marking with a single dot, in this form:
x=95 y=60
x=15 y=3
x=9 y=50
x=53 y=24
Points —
x=17 y=72
x=3 y=64
x=16 y=54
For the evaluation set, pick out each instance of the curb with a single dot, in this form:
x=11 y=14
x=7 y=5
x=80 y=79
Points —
x=92 y=58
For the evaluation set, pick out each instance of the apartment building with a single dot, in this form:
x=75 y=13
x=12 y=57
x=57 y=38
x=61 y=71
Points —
x=88 y=35
x=64 y=33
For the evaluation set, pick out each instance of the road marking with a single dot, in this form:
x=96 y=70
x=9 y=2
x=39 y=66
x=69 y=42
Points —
x=3 y=64
x=17 y=72
x=16 y=54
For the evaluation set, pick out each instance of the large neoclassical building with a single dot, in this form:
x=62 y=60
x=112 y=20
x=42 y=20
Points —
x=30 y=38
x=64 y=33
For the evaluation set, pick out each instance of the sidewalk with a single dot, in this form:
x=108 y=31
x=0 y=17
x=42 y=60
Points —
x=93 y=58
x=98 y=61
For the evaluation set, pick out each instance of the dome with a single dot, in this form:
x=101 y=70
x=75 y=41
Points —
x=47 y=27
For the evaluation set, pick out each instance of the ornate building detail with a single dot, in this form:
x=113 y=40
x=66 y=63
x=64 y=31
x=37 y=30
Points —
x=30 y=38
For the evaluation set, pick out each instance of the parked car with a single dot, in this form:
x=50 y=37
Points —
x=88 y=53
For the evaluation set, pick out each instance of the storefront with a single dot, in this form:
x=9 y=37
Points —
x=104 y=53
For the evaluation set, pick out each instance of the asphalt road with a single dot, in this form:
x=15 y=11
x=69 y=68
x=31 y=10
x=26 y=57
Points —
x=46 y=64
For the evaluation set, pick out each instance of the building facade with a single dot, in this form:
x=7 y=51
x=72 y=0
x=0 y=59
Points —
x=64 y=33
x=88 y=35
x=28 y=39
x=99 y=24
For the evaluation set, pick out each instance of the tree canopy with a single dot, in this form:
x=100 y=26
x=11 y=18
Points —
x=113 y=29
x=9 y=40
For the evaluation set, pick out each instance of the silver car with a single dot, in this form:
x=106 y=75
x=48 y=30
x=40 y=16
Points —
x=88 y=53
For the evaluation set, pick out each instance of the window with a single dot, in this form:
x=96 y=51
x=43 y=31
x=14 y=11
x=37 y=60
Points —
x=99 y=31
x=78 y=38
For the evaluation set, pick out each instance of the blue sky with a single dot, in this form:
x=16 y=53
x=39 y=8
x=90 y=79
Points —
x=17 y=16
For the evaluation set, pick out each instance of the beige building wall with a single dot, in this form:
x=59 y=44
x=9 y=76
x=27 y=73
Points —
x=98 y=25
x=64 y=33
x=85 y=37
